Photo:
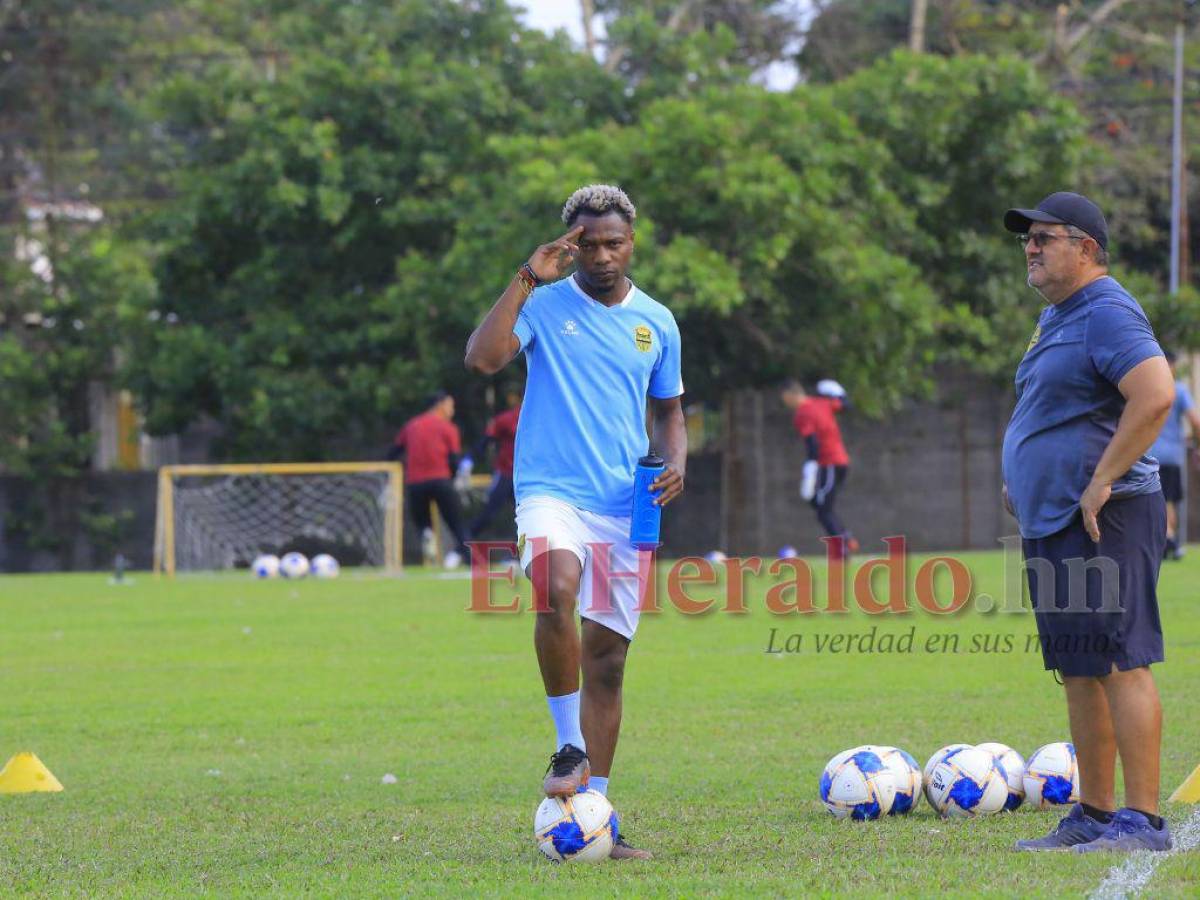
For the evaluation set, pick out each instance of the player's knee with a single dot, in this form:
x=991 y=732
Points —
x=605 y=667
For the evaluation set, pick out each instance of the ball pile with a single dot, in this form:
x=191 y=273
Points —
x=295 y=565
x=958 y=781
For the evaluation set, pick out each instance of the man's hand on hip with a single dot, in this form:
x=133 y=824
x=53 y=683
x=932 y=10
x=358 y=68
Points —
x=1091 y=503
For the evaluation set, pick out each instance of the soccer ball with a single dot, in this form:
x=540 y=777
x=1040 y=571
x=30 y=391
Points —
x=788 y=552
x=967 y=782
x=907 y=778
x=582 y=827
x=452 y=560
x=1052 y=776
x=265 y=566
x=857 y=784
x=934 y=760
x=294 y=565
x=325 y=566
x=716 y=557
x=1013 y=765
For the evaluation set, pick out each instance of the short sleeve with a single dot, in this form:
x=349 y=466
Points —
x=1118 y=338
x=803 y=422
x=1185 y=398
x=524 y=328
x=666 y=380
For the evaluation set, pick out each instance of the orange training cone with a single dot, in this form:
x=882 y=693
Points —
x=24 y=774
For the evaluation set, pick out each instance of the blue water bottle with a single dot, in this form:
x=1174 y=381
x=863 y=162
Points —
x=647 y=516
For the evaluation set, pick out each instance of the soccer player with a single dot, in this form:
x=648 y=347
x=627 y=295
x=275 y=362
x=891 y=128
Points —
x=429 y=445
x=1171 y=453
x=598 y=350
x=1093 y=390
x=828 y=463
x=501 y=431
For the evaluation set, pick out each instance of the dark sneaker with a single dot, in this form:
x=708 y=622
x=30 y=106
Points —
x=622 y=850
x=1130 y=830
x=568 y=771
x=1076 y=828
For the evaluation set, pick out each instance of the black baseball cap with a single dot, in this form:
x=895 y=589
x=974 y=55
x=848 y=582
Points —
x=1062 y=208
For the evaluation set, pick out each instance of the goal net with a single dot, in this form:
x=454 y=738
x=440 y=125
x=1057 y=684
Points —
x=223 y=516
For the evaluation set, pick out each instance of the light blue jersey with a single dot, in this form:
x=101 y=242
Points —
x=1169 y=448
x=591 y=367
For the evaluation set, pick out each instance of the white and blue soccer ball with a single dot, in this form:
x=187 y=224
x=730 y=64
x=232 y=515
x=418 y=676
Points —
x=967 y=782
x=787 y=551
x=579 y=828
x=1052 y=776
x=265 y=566
x=906 y=775
x=857 y=784
x=716 y=557
x=325 y=566
x=1013 y=764
x=294 y=565
x=937 y=757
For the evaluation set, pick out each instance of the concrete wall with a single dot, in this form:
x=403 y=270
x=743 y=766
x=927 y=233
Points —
x=930 y=472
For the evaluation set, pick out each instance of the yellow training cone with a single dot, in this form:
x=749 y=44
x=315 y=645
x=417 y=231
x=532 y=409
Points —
x=24 y=774
x=1189 y=791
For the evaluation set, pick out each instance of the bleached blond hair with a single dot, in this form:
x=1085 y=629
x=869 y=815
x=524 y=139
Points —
x=599 y=199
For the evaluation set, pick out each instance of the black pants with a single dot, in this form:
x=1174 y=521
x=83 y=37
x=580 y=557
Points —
x=440 y=491
x=500 y=494
x=829 y=480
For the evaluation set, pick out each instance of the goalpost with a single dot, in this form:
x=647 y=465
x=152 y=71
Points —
x=221 y=516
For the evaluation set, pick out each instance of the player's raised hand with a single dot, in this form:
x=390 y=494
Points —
x=552 y=261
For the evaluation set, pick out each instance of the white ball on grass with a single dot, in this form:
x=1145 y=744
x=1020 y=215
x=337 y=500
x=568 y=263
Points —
x=325 y=566
x=265 y=566
x=294 y=565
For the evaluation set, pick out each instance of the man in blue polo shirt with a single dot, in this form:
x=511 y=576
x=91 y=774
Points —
x=1092 y=392
x=601 y=354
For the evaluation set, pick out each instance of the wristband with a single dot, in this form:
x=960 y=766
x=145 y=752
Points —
x=526 y=284
x=528 y=270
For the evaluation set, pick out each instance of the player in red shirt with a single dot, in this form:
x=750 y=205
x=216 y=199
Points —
x=501 y=431
x=828 y=463
x=430 y=445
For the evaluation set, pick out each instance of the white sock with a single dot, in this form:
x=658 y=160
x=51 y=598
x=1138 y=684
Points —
x=565 y=712
x=598 y=783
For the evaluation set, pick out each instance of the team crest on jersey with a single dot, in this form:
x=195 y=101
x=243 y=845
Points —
x=642 y=338
x=1037 y=336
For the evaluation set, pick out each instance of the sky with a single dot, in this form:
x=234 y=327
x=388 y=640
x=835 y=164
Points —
x=550 y=15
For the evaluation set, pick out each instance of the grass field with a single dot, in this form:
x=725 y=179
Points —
x=225 y=736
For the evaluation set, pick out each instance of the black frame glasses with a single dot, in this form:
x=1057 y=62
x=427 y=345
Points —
x=1041 y=238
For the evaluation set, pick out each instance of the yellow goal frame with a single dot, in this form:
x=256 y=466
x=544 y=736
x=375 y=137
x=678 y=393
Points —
x=164 y=525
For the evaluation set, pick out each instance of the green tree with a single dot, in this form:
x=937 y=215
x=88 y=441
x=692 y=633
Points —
x=300 y=256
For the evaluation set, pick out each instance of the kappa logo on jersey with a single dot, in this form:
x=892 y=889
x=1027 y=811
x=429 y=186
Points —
x=642 y=338
x=1037 y=336
x=570 y=328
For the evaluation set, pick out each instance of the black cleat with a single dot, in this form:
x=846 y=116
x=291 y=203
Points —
x=568 y=771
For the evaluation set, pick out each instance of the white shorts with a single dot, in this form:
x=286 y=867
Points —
x=545 y=523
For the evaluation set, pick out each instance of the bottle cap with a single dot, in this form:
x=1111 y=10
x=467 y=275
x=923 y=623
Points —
x=652 y=461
